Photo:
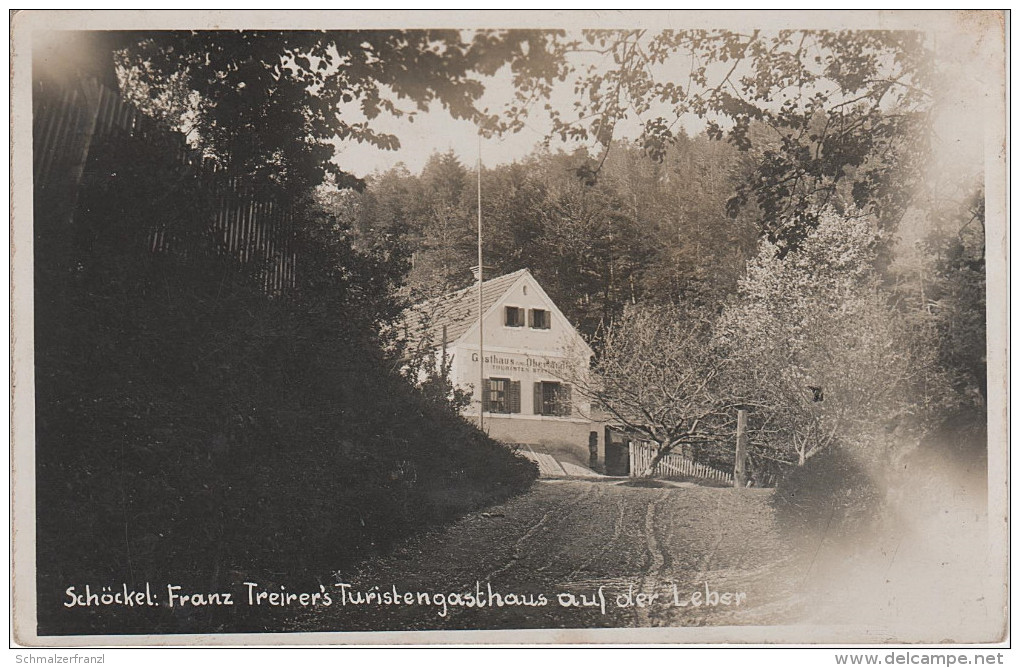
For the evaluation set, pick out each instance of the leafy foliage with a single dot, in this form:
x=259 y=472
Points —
x=819 y=318
x=833 y=118
x=270 y=104
x=955 y=294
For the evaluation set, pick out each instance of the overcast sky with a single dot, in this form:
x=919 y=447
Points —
x=437 y=131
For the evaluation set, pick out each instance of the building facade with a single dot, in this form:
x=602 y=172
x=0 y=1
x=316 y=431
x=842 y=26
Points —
x=523 y=377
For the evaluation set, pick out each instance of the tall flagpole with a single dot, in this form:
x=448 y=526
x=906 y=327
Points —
x=481 y=352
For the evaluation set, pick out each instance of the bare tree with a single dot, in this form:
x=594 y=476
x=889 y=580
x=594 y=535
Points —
x=656 y=376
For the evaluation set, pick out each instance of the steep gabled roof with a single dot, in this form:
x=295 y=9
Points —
x=457 y=311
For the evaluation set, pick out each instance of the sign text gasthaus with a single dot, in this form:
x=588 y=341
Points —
x=524 y=363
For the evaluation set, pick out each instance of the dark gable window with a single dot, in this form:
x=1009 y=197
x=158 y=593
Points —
x=552 y=399
x=538 y=318
x=501 y=395
x=514 y=317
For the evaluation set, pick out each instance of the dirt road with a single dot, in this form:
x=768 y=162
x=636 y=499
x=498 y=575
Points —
x=574 y=553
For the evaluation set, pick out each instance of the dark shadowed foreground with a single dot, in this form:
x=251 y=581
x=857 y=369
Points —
x=556 y=555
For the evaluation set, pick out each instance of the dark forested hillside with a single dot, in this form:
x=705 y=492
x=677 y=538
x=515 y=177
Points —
x=197 y=424
x=643 y=231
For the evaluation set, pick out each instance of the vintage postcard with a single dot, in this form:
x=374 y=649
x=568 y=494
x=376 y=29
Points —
x=509 y=327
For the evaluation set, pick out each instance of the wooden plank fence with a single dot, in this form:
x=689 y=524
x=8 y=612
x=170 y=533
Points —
x=249 y=224
x=672 y=465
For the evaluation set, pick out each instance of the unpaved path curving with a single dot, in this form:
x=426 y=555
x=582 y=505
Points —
x=692 y=555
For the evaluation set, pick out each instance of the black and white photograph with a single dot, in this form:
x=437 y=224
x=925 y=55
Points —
x=569 y=327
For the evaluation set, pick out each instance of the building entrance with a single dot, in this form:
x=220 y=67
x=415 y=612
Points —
x=617 y=452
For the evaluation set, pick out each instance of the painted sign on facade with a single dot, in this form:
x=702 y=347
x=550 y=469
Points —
x=523 y=363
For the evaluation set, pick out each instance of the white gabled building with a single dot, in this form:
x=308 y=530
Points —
x=522 y=379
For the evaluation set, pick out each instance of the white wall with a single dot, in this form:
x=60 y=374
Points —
x=525 y=354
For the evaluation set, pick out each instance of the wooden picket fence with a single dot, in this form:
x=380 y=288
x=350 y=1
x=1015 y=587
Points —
x=248 y=223
x=672 y=465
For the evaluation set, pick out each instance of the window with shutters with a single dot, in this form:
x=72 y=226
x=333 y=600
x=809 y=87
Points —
x=514 y=316
x=502 y=395
x=515 y=396
x=538 y=318
x=552 y=399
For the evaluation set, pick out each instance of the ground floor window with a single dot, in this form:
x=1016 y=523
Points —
x=552 y=399
x=501 y=395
